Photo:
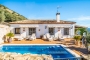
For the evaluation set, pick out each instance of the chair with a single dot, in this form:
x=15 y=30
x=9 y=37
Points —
x=44 y=37
x=27 y=38
x=52 y=36
x=19 y=38
x=49 y=37
x=33 y=37
x=56 y=36
x=60 y=37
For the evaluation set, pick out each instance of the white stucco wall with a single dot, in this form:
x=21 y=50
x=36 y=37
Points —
x=3 y=31
x=43 y=30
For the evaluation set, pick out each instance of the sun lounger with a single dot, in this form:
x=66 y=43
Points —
x=56 y=36
x=27 y=38
x=60 y=37
x=20 y=38
x=44 y=37
x=33 y=37
x=52 y=37
x=49 y=37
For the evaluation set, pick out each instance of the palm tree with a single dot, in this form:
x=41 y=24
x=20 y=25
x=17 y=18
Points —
x=76 y=30
x=83 y=30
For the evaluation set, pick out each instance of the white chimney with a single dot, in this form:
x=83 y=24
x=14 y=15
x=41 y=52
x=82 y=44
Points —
x=58 y=17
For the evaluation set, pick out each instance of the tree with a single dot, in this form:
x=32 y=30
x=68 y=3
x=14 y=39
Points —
x=7 y=15
x=2 y=16
x=77 y=29
x=83 y=30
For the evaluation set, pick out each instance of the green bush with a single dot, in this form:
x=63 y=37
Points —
x=8 y=15
x=77 y=37
x=88 y=38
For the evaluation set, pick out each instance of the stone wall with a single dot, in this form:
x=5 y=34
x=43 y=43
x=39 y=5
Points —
x=3 y=31
x=18 y=56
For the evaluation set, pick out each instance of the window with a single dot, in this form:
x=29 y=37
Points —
x=66 y=31
x=17 y=30
x=32 y=30
x=51 y=31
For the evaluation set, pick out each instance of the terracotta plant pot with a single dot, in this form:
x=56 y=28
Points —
x=9 y=40
x=77 y=43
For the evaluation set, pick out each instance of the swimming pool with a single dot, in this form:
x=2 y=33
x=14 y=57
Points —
x=57 y=51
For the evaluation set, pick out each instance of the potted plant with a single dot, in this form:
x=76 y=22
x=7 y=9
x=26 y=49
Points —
x=88 y=42
x=9 y=35
x=77 y=39
x=4 y=38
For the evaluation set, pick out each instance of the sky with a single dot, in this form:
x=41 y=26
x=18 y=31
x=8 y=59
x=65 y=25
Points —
x=70 y=10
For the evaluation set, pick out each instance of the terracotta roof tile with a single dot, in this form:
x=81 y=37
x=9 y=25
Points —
x=42 y=22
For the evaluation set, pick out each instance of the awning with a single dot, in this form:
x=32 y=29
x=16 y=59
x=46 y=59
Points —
x=58 y=26
x=29 y=26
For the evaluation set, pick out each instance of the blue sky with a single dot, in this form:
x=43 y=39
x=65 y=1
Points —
x=71 y=10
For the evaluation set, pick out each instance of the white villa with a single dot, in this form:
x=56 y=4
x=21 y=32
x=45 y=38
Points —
x=25 y=28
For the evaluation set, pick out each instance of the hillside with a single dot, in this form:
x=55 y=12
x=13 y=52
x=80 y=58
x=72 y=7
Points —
x=7 y=15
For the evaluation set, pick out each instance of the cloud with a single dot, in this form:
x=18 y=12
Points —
x=83 y=24
x=81 y=18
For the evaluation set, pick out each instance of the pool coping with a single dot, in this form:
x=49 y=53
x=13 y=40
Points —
x=65 y=47
x=71 y=52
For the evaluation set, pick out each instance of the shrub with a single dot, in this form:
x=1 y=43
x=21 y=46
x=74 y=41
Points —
x=77 y=37
x=88 y=38
x=10 y=35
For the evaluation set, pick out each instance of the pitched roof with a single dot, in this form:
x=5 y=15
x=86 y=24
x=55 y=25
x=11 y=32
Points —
x=42 y=22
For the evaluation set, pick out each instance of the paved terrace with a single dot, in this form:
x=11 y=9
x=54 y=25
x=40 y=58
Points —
x=68 y=42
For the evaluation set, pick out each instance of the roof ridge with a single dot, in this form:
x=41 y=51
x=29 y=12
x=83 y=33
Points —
x=43 y=22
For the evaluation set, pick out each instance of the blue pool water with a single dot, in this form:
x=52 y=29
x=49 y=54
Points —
x=57 y=51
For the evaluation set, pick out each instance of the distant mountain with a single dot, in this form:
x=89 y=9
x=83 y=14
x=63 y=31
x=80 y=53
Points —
x=7 y=15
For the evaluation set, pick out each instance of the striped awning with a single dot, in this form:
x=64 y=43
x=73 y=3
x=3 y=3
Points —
x=29 y=26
